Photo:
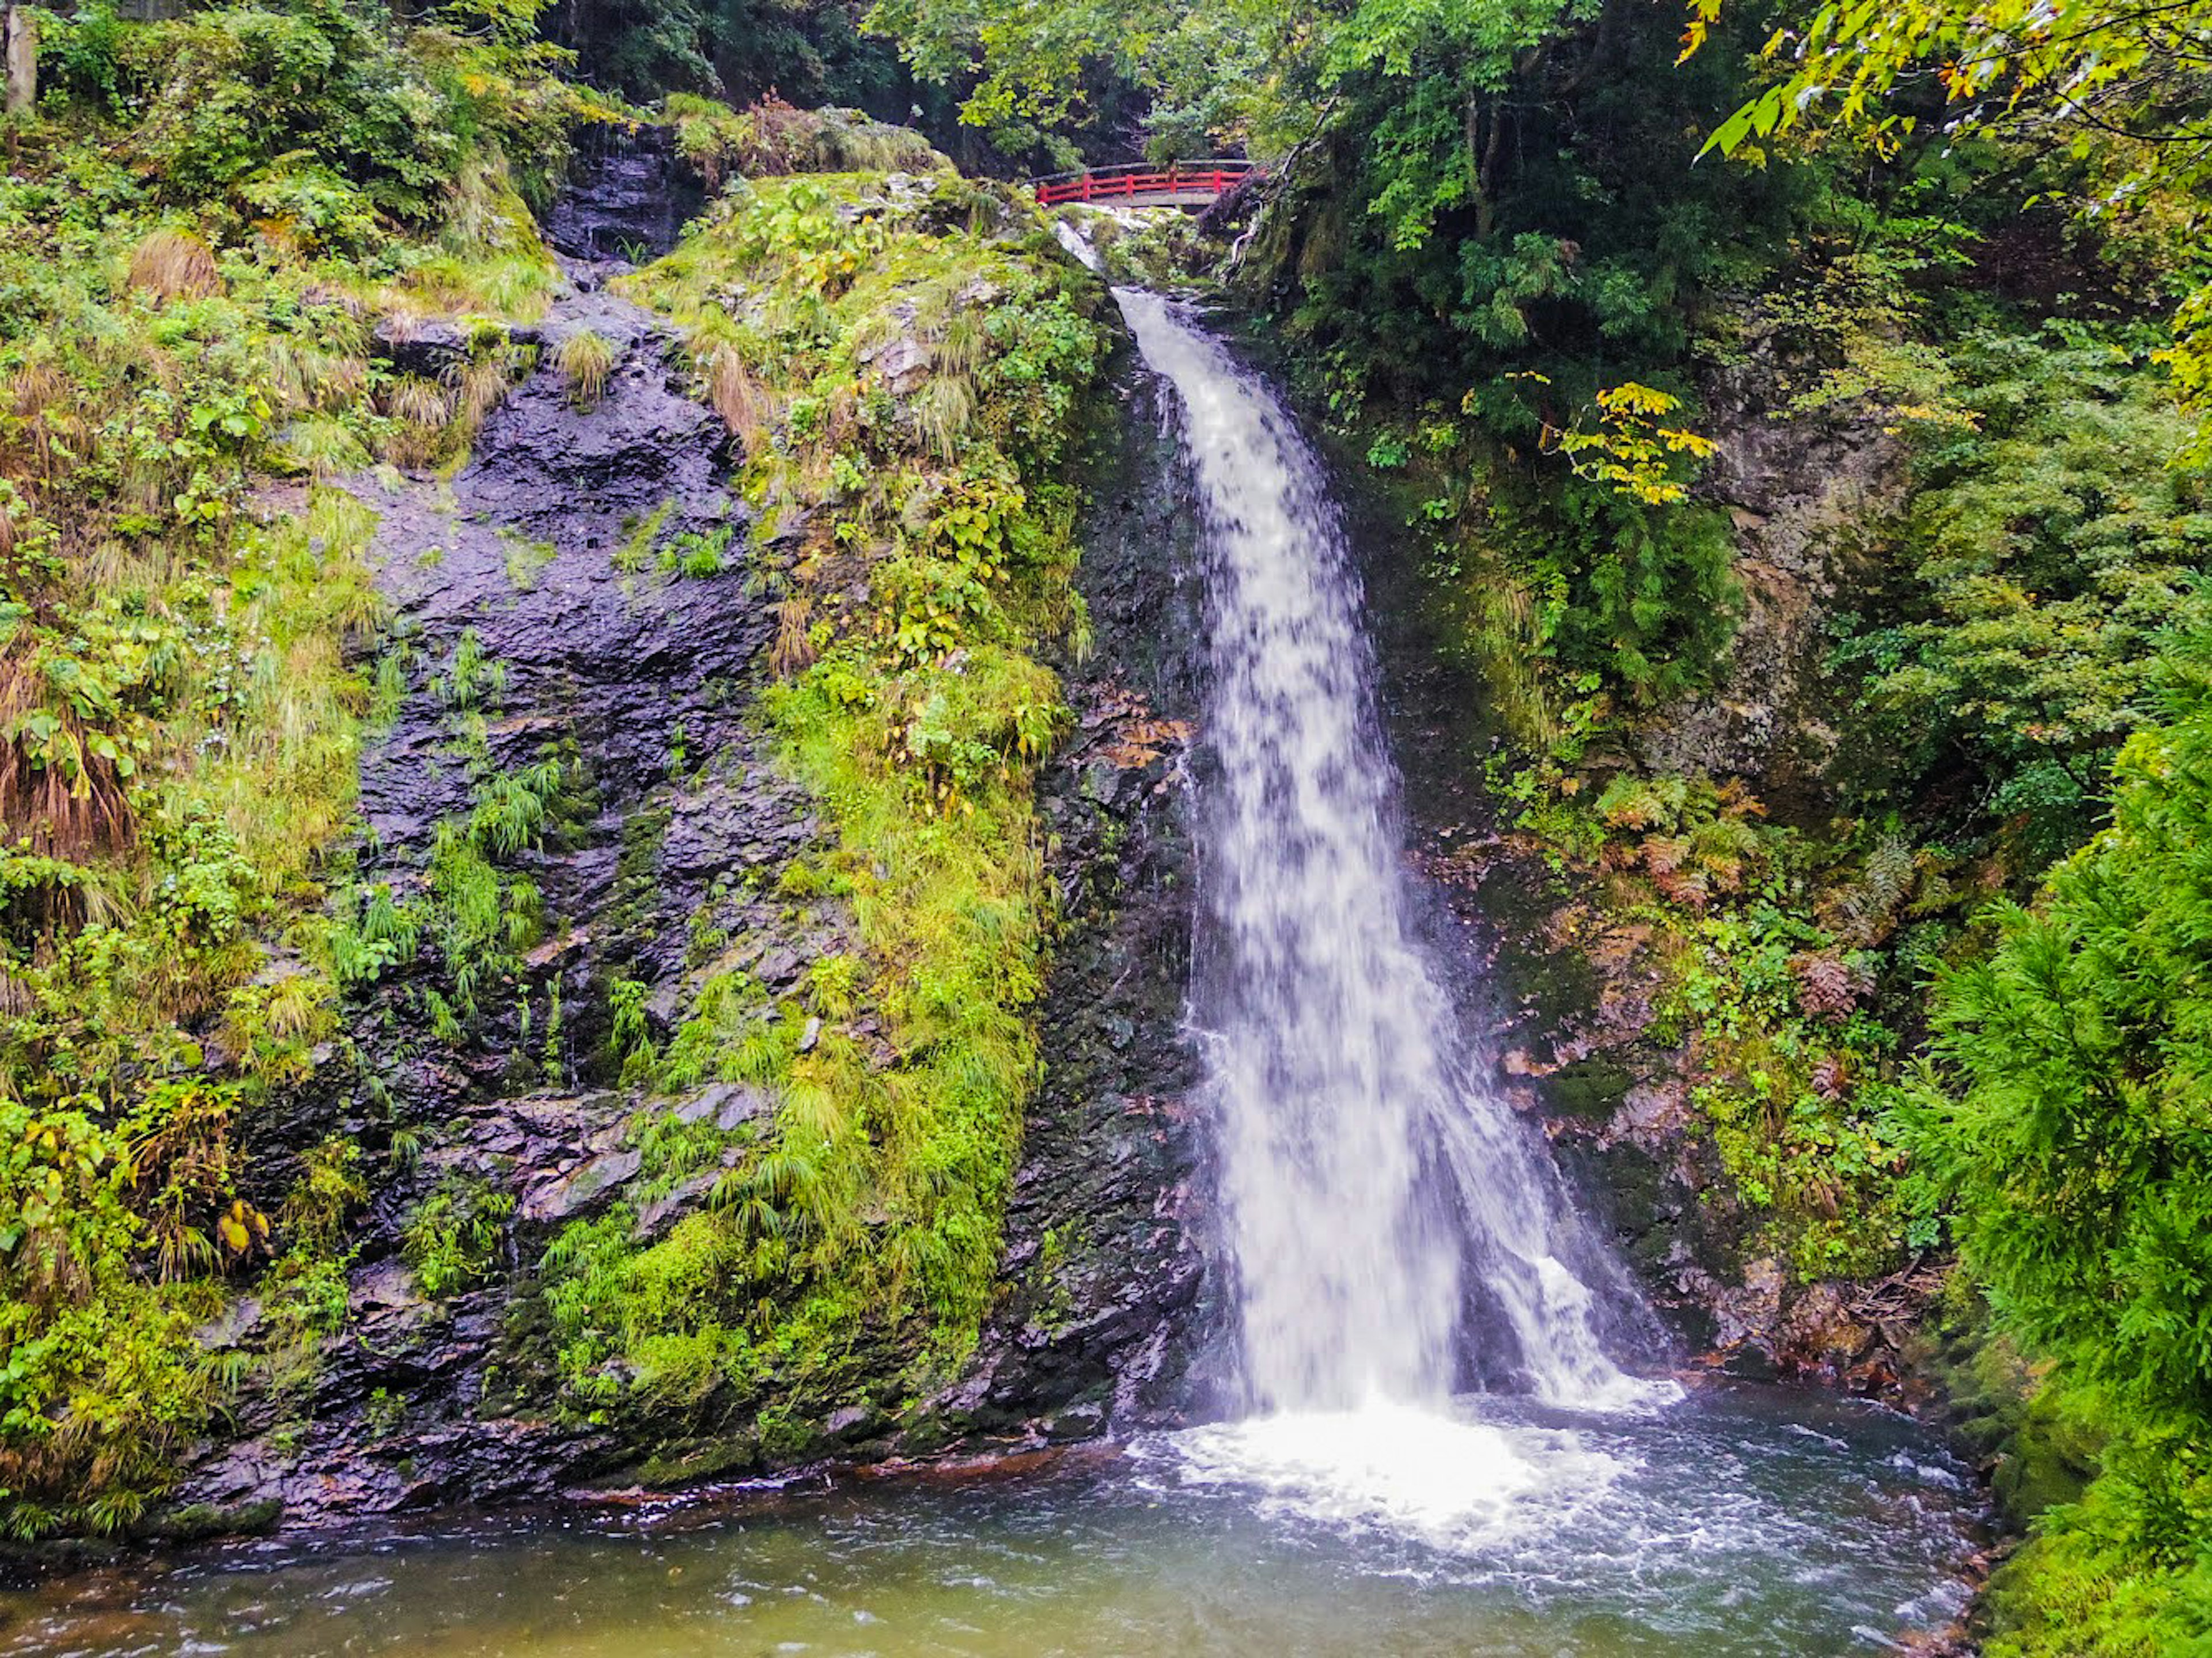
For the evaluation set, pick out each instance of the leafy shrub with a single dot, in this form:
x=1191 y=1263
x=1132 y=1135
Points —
x=2053 y=548
x=2061 y=1140
x=398 y=115
x=772 y=137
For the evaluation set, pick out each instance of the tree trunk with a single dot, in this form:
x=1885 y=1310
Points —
x=22 y=58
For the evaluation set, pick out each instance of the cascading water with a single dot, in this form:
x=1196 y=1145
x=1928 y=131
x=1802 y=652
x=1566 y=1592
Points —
x=1366 y=1174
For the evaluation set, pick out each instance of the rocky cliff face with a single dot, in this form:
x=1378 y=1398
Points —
x=1804 y=497
x=570 y=607
x=1808 y=499
x=1111 y=1314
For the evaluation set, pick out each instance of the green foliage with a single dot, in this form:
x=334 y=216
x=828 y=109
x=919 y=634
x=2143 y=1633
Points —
x=320 y=118
x=472 y=679
x=2120 y=86
x=1765 y=939
x=201 y=223
x=692 y=553
x=2053 y=548
x=1575 y=592
x=628 y=1033
x=482 y=915
x=2068 y=1151
x=102 y=1387
x=451 y=1238
x=2079 y=1190
x=773 y=137
x=1629 y=450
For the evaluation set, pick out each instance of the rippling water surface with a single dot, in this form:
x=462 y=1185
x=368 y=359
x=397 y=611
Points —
x=1741 y=1522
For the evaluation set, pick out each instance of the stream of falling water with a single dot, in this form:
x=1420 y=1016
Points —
x=1374 y=1191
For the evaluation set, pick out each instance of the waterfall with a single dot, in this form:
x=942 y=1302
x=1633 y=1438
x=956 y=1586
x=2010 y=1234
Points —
x=1366 y=1173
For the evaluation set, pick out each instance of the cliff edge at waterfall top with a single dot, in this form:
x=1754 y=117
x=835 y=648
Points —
x=767 y=879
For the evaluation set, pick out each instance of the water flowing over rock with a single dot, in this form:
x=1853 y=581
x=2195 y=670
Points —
x=627 y=199
x=1374 y=1191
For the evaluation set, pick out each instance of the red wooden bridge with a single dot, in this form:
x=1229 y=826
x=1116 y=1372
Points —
x=1185 y=184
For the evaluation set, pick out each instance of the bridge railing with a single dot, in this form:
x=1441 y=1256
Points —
x=1108 y=184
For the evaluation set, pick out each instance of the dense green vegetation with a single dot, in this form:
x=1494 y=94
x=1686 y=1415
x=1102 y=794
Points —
x=2067 y=1148
x=1932 y=983
x=184 y=343
x=199 y=223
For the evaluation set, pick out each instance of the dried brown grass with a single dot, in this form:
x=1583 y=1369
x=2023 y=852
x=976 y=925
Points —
x=421 y=412
x=793 y=651
x=585 y=361
x=746 y=405
x=45 y=425
x=478 y=388
x=173 y=265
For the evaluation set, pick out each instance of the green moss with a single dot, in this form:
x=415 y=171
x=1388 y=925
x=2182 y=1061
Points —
x=718 y=143
x=859 y=1224
x=526 y=559
x=642 y=538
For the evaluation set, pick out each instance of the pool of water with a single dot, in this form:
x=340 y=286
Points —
x=1741 y=1521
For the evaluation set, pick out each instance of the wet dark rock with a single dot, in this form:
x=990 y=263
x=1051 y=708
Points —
x=1800 y=495
x=627 y=198
x=237 y=1326
x=852 y=1423
x=639 y=680
x=902 y=366
x=657 y=1217
x=1076 y=1422
x=434 y=347
x=666 y=870
x=728 y=1103
x=581 y=1189
x=1111 y=1306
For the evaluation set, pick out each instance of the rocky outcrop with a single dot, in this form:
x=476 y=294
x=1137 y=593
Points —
x=1804 y=496
x=626 y=200
x=1111 y=1320
x=541 y=562
x=1567 y=988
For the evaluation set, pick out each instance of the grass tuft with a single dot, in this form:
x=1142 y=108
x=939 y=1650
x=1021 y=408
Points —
x=173 y=265
x=585 y=361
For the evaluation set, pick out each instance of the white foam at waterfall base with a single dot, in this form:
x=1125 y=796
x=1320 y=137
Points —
x=1440 y=1480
